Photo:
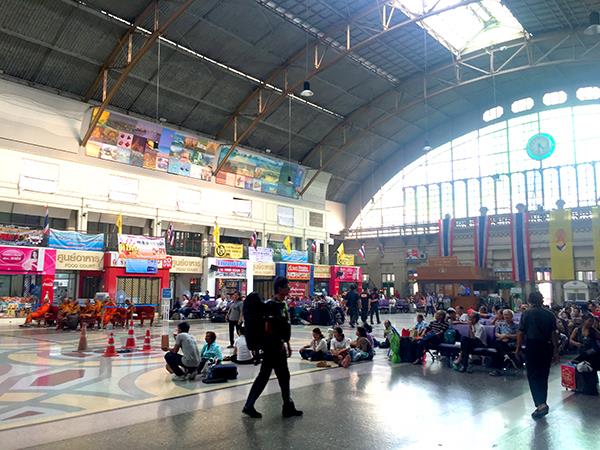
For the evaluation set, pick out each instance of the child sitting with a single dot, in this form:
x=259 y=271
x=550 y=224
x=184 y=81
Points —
x=315 y=351
x=339 y=347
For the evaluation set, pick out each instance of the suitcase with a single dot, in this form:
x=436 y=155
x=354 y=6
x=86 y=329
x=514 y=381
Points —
x=407 y=350
x=567 y=376
x=580 y=382
x=220 y=373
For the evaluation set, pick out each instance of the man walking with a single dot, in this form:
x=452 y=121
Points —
x=276 y=350
x=234 y=316
x=352 y=305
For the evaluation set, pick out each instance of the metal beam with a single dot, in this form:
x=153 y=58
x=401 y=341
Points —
x=134 y=61
x=110 y=60
x=487 y=75
x=270 y=108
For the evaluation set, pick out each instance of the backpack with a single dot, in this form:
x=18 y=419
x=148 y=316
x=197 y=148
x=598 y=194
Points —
x=450 y=336
x=254 y=321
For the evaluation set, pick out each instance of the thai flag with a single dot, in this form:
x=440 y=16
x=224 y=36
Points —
x=481 y=238
x=46 y=222
x=254 y=239
x=446 y=236
x=362 y=252
x=171 y=235
x=313 y=246
x=381 y=249
x=521 y=253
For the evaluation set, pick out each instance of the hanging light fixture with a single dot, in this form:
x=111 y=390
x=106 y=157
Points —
x=594 y=28
x=289 y=178
x=306 y=92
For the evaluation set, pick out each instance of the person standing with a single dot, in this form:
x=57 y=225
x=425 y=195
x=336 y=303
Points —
x=352 y=304
x=374 y=305
x=234 y=316
x=276 y=350
x=430 y=305
x=364 y=305
x=538 y=326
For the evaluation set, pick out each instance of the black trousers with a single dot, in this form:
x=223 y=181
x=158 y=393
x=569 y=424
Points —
x=364 y=313
x=375 y=310
x=467 y=345
x=429 y=309
x=174 y=360
x=274 y=359
x=233 y=325
x=353 y=313
x=539 y=360
x=502 y=348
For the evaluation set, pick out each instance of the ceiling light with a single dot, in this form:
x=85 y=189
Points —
x=289 y=179
x=594 y=28
x=162 y=119
x=427 y=146
x=306 y=92
x=268 y=150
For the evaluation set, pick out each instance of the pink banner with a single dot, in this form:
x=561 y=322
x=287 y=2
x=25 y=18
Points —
x=349 y=273
x=23 y=260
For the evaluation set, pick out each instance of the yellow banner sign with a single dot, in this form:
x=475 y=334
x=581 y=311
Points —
x=322 y=271
x=561 y=245
x=231 y=251
x=264 y=269
x=186 y=264
x=345 y=260
x=79 y=260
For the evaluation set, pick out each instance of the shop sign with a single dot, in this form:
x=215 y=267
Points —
x=186 y=264
x=348 y=274
x=228 y=268
x=141 y=247
x=27 y=260
x=298 y=272
x=297 y=256
x=234 y=251
x=345 y=260
x=20 y=236
x=78 y=260
x=148 y=266
x=72 y=240
x=260 y=254
x=264 y=269
x=117 y=261
x=322 y=271
x=298 y=289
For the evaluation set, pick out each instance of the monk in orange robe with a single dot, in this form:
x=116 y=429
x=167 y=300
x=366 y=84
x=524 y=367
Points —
x=130 y=309
x=110 y=309
x=39 y=313
x=63 y=312
x=88 y=311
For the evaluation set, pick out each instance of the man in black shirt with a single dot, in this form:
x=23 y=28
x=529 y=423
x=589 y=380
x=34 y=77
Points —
x=276 y=350
x=352 y=305
x=538 y=325
x=364 y=305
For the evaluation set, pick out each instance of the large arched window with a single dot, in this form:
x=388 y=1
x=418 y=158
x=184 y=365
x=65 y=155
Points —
x=491 y=168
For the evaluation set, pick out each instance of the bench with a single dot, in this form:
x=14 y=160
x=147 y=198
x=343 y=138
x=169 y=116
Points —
x=145 y=312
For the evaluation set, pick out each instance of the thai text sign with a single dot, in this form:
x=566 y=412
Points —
x=141 y=247
x=298 y=272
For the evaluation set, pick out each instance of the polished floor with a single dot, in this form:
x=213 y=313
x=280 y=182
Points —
x=48 y=392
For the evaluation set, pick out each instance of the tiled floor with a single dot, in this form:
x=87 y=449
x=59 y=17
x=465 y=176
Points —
x=49 y=392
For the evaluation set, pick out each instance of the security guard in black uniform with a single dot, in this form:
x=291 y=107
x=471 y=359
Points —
x=276 y=350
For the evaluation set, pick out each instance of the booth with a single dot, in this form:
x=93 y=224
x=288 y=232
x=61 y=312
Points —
x=576 y=291
x=225 y=276
x=26 y=276
x=186 y=274
x=342 y=277
x=322 y=277
x=299 y=277
x=78 y=273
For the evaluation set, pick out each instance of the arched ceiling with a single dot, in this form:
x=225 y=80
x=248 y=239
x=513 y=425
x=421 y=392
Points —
x=225 y=66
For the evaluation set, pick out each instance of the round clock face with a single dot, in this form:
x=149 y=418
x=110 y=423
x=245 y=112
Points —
x=540 y=146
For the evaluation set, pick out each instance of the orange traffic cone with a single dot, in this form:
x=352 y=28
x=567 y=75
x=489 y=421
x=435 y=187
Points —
x=110 y=348
x=130 y=343
x=147 y=346
x=82 y=347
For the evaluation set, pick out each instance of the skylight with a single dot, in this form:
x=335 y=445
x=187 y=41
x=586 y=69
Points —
x=467 y=28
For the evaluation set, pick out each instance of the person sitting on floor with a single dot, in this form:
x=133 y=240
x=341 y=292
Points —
x=434 y=336
x=374 y=342
x=585 y=337
x=210 y=350
x=340 y=346
x=506 y=338
x=241 y=354
x=476 y=338
x=183 y=366
x=39 y=313
x=420 y=327
x=315 y=351
x=388 y=331
x=360 y=350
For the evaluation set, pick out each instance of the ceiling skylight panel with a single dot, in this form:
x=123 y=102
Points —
x=465 y=28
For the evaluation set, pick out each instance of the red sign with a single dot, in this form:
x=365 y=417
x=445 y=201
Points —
x=348 y=273
x=298 y=289
x=298 y=272
x=27 y=260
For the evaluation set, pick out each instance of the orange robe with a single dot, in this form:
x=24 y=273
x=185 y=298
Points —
x=39 y=313
x=109 y=313
x=88 y=311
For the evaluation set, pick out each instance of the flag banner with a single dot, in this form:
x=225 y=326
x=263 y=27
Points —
x=313 y=246
x=254 y=240
x=171 y=234
x=481 y=239
x=141 y=247
x=72 y=240
x=287 y=244
x=561 y=245
x=119 y=224
x=46 y=222
x=446 y=236
x=596 y=237
x=217 y=234
x=521 y=252
x=362 y=252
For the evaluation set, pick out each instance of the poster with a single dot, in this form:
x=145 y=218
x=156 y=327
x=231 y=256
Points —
x=298 y=272
x=248 y=170
x=233 y=251
x=260 y=254
x=72 y=240
x=28 y=260
x=141 y=143
x=228 y=268
x=141 y=247
x=298 y=256
x=20 y=236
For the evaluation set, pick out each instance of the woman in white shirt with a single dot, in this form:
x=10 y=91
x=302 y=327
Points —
x=317 y=348
x=476 y=338
x=241 y=354
x=339 y=346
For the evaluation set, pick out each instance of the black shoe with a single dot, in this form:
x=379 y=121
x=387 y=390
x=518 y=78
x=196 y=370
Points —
x=539 y=413
x=495 y=373
x=290 y=410
x=251 y=412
